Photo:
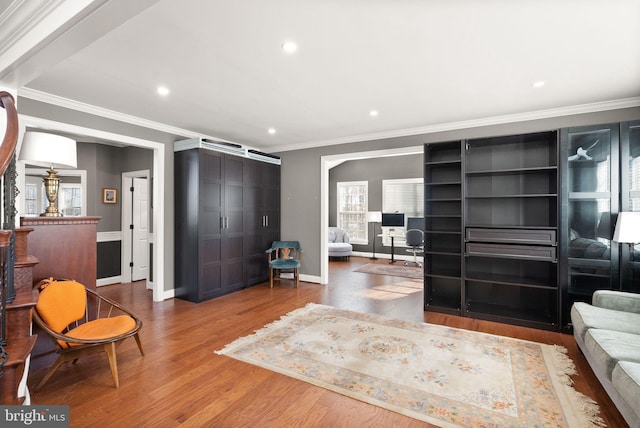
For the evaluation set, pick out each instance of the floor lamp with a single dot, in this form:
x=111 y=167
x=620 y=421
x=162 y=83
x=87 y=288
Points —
x=627 y=229
x=374 y=217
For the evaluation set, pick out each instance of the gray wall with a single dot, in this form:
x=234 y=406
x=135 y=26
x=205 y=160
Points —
x=105 y=165
x=300 y=170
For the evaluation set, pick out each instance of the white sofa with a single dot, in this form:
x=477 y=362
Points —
x=608 y=333
x=339 y=245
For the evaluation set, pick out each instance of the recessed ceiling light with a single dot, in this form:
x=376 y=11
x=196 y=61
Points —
x=289 y=47
x=373 y=113
x=162 y=90
x=538 y=84
x=271 y=131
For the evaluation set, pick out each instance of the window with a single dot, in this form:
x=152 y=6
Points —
x=31 y=199
x=70 y=199
x=403 y=196
x=352 y=210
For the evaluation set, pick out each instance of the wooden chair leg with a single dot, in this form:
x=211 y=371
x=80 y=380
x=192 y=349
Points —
x=139 y=344
x=296 y=276
x=110 y=349
x=60 y=361
x=271 y=278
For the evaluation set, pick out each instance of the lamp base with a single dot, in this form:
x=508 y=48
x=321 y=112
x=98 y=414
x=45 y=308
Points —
x=51 y=186
x=51 y=214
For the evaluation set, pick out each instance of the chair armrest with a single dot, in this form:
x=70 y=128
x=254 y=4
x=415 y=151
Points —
x=617 y=300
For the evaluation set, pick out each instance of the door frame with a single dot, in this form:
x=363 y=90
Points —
x=127 y=206
x=160 y=250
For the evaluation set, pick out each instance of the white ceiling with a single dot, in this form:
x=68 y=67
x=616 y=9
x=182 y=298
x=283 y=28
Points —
x=424 y=64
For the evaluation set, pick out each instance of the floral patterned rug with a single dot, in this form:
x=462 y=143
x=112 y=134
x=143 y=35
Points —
x=444 y=376
x=392 y=269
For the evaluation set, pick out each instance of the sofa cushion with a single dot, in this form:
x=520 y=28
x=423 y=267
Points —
x=617 y=300
x=340 y=249
x=607 y=347
x=585 y=316
x=626 y=380
x=332 y=235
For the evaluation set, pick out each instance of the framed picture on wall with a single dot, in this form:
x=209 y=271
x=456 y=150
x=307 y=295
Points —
x=109 y=196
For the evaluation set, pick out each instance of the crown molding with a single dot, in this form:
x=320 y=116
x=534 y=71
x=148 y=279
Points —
x=24 y=24
x=45 y=97
x=21 y=18
x=430 y=129
x=472 y=123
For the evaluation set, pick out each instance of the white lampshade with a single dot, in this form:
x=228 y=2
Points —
x=627 y=228
x=48 y=150
x=374 y=216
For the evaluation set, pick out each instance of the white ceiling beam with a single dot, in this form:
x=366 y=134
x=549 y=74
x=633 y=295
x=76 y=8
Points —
x=37 y=34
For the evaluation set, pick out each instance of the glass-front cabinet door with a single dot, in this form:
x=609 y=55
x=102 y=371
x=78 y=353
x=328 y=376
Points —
x=591 y=162
x=630 y=201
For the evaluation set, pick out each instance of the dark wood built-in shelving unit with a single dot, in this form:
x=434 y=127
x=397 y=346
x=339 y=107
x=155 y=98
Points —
x=443 y=226
x=519 y=227
x=491 y=210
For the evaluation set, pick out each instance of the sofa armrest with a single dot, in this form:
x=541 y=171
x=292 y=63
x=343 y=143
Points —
x=617 y=300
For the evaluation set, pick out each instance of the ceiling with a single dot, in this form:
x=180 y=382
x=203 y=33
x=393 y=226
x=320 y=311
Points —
x=424 y=65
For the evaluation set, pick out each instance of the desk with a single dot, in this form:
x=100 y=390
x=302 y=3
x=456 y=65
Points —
x=392 y=236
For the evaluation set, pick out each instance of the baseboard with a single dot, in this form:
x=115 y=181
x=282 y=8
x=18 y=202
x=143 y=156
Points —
x=402 y=257
x=108 y=281
x=310 y=278
x=168 y=294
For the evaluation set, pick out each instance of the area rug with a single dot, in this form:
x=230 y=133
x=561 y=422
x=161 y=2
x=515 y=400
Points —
x=393 y=270
x=444 y=376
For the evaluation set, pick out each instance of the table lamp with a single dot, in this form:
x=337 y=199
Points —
x=374 y=217
x=49 y=151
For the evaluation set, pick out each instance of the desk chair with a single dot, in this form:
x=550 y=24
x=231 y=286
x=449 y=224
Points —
x=415 y=240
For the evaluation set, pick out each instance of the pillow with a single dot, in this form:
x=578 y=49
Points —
x=332 y=236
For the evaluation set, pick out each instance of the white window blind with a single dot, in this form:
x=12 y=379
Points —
x=402 y=196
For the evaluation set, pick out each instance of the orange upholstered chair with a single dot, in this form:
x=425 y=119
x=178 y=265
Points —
x=62 y=311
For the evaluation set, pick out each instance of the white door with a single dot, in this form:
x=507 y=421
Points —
x=140 y=232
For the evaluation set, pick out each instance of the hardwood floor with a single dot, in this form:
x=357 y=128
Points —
x=180 y=381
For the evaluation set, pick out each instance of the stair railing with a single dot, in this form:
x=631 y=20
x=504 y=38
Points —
x=7 y=165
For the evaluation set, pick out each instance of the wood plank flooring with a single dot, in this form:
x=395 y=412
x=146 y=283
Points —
x=181 y=382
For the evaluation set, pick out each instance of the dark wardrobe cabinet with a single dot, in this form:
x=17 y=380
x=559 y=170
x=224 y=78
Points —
x=227 y=213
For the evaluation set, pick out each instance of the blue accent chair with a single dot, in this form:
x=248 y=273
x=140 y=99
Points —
x=284 y=256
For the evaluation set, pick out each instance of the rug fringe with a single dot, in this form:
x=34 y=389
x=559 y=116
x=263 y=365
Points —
x=565 y=369
x=266 y=329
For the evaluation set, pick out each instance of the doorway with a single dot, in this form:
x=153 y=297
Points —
x=136 y=227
